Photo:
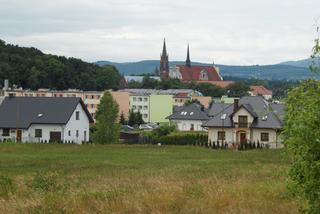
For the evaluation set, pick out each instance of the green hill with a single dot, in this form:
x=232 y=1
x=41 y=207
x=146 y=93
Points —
x=30 y=68
x=277 y=71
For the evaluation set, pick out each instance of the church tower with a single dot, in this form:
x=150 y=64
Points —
x=188 y=61
x=164 y=62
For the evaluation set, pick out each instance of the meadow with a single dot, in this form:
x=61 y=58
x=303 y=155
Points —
x=39 y=178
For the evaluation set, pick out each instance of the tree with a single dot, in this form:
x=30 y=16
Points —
x=135 y=118
x=211 y=90
x=107 y=126
x=123 y=120
x=238 y=89
x=302 y=140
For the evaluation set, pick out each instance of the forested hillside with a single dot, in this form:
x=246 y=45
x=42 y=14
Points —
x=30 y=68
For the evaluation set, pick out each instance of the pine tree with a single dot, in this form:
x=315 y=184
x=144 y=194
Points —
x=123 y=120
x=107 y=126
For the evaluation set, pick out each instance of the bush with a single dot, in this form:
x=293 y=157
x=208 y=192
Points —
x=184 y=138
x=7 y=186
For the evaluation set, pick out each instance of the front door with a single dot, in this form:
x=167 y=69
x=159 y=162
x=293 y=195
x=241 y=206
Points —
x=19 y=135
x=55 y=136
x=243 y=138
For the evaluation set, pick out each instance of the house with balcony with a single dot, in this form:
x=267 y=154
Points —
x=249 y=119
x=44 y=119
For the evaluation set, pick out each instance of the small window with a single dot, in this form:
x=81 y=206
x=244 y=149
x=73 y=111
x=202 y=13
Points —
x=146 y=99
x=145 y=107
x=77 y=115
x=38 y=133
x=92 y=105
x=92 y=96
x=69 y=133
x=140 y=99
x=191 y=127
x=221 y=135
x=145 y=116
x=140 y=107
x=77 y=133
x=5 y=132
x=264 y=136
x=134 y=99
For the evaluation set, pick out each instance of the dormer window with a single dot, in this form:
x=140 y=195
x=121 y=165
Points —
x=204 y=75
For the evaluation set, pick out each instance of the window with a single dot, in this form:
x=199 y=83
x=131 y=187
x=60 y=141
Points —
x=134 y=99
x=243 y=121
x=69 y=133
x=77 y=133
x=77 y=115
x=191 y=127
x=221 y=135
x=38 y=133
x=92 y=96
x=140 y=107
x=145 y=116
x=5 y=132
x=92 y=105
x=146 y=99
x=140 y=99
x=145 y=107
x=264 y=136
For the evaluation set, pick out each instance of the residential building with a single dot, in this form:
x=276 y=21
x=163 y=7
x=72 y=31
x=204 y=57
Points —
x=160 y=107
x=250 y=119
x=44 y=119
x=189 y=118
x=260 y=90
x=122 y=98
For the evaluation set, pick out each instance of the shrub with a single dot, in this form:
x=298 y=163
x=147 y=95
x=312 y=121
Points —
x=7 y=186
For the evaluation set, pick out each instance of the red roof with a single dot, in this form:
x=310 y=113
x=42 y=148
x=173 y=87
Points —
x=259 y=90
x=193 y=73
x=182 y=94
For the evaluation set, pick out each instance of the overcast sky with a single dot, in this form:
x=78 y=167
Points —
x=226 y=31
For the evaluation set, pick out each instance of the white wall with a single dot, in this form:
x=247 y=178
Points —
x=82 y=125
x=252 y=135
x=185 y=125
x=46 y=129
x=242 y=112
x=213 y=134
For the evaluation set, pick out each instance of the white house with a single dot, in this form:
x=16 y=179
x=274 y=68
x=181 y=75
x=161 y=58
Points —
x=189 y=118
x=250 y=119
x=44 y=119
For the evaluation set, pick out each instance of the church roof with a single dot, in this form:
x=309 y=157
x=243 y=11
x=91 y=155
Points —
x=193 y=73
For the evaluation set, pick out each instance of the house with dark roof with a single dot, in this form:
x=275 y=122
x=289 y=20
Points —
x=189 y=117
x=44 y=119
x=250 y=118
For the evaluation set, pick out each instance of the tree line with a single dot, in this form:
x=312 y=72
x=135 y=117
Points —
x=32 y=69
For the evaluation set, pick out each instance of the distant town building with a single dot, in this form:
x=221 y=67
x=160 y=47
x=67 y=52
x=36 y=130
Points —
x=260 y=90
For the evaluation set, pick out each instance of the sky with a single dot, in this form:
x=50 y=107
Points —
x=233 y=32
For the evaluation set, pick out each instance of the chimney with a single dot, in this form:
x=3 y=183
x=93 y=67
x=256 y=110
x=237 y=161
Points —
x=235 y=104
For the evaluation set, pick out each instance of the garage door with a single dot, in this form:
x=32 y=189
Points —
x=55 y=136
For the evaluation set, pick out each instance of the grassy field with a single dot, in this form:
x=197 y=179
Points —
x=141 y=179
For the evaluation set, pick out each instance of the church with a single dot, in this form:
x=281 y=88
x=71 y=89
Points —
x=188 y=72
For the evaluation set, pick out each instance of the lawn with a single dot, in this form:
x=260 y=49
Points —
x=141 y=179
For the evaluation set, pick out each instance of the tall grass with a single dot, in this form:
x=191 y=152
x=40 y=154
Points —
x=143 y=179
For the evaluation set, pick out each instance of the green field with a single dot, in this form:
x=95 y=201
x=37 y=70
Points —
x=141 y=179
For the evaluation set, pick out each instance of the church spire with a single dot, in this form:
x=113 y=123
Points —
x=188 y=61
x=164 y=62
